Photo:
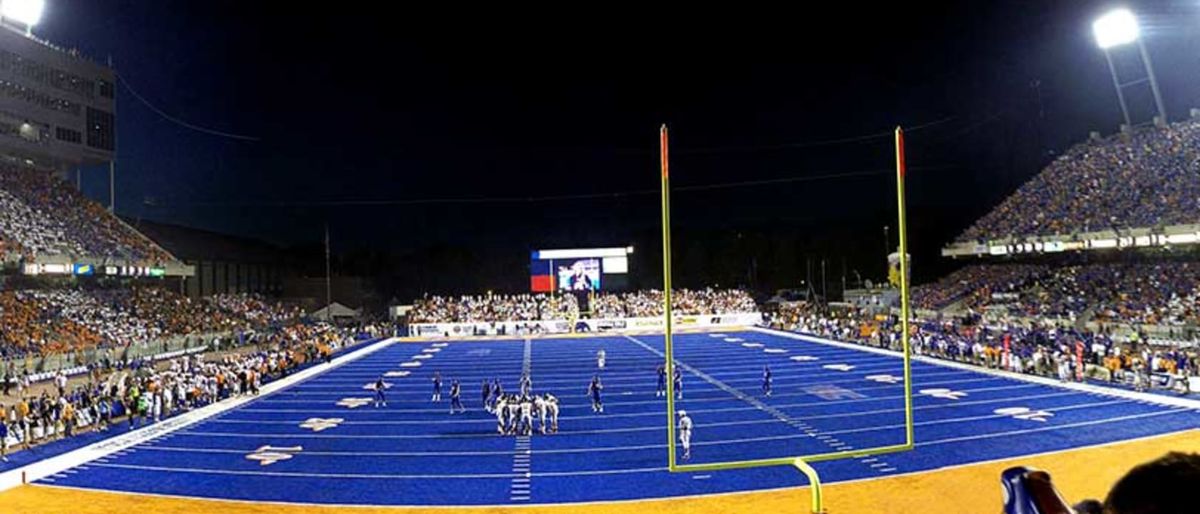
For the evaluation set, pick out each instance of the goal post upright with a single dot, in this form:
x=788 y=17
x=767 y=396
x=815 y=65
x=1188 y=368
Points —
x=667 y=315
x=801 y=463
x=901 y=169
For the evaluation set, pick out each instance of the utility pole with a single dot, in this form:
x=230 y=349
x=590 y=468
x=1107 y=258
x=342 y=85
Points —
x=824 y=295
x=112 y=163
x=328 y=279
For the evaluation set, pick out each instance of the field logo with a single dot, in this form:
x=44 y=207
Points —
x=885 y=379
x=943 y=393
x=832 y=392
x=1024 y=413
x=319 y=424
x=353 y=403
x=267 y=455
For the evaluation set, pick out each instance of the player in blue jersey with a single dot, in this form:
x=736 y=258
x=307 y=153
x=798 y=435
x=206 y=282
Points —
x=379 y=398
x=437 y=387
x=678 y=384
x=766 y=381
x=593 y=390
x=456 y=397
x=486 y=393
x=662 y=381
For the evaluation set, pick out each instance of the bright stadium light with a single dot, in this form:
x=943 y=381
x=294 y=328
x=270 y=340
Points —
x=1117 y=27
x=1120 y=27
x=27 y=12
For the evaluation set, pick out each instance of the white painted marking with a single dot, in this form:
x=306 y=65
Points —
x=1024 y=413
x=804 y=358
x=838 y=367
x=752 y=345
x=321 y=424
x=395 y=374
x=410 y=364
x=422 y=356
x=885 y=379
x=353 y=403
x=267 y=455
x=940 y=392
x=774 y=350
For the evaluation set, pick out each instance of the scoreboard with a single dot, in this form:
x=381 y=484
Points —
x=579 y=269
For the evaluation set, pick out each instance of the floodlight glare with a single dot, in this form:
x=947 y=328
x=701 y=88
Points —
x=28 y=12
x=1116 y=28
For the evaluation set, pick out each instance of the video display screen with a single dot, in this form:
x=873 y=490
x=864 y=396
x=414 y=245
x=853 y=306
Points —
x=579 y=269
x=579 y=275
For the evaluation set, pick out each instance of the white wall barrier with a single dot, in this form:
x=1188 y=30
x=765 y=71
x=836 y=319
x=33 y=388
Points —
x=561 y=326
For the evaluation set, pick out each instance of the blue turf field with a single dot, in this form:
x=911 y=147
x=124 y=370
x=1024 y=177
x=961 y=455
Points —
x=826 y=398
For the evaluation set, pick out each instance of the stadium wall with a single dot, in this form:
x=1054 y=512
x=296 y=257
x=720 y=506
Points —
x=562 y=326
x=1145 y=237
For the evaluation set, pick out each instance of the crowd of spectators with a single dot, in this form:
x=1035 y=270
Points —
x=974 y=285
x=649 y=303
x=539 y=307
x=146 y=392
x=44 y=321
x=254 y=308
x=493 y=307
x=41 y=214
x=1042 y=349
x=1145 y=179
x=1165 y=293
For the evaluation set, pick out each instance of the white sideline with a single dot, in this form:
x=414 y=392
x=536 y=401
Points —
x=100 y=449
x=1074 y=386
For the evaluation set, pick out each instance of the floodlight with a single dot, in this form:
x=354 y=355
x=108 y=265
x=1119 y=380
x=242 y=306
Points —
x=27 y=12
x=1117 y=27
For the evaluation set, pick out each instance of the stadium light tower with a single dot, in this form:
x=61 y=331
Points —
x=1120 y=27
x=25 y=12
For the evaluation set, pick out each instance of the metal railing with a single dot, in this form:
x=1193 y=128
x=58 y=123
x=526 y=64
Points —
x=33 y=364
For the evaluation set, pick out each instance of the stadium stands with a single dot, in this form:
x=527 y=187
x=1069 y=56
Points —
x=42 y=215
x=529 y=307
x=1163 y=293
x=1042 y=349
x=158 y=391
x=975 y=284
x=43 y=321
x=486 y=308
x=1145 y=179
x=683 y=301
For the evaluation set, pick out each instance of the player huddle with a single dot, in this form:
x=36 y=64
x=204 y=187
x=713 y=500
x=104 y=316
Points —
x=515 y=414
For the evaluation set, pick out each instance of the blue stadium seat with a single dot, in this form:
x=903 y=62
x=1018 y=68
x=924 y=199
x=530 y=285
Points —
x=1029 y=491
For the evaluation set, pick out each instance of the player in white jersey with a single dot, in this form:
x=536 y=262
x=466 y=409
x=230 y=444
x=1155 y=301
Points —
x=501 y=411
x=514 y=413
x=685 y=434
x=547 y=406
x=526 y=425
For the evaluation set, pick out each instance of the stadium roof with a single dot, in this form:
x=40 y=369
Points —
x=192 y=244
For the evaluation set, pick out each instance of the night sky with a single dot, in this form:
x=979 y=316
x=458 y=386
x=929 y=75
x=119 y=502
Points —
x=371 y=118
